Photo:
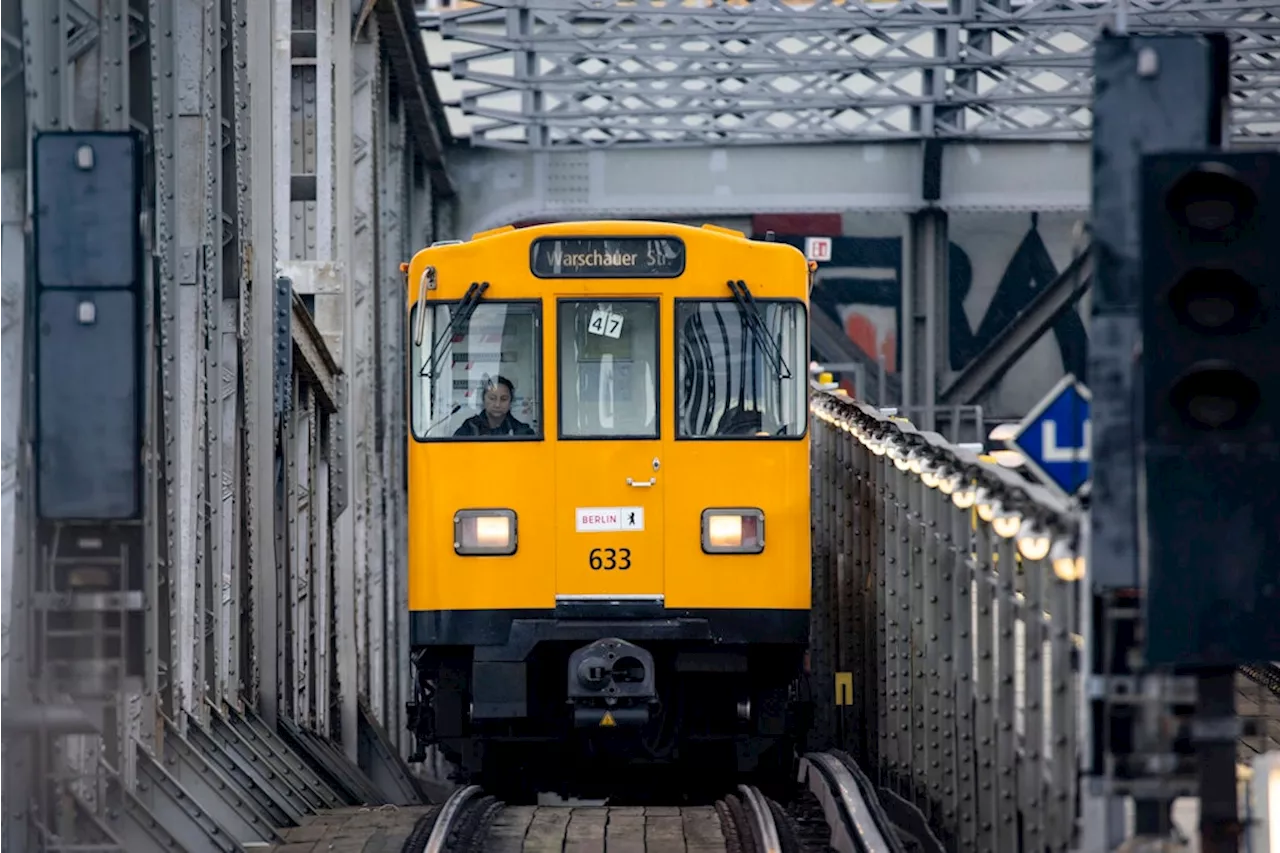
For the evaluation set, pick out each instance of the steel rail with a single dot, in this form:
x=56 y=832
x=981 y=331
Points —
x=449 y=812
x=765 y=828
x=854 y=828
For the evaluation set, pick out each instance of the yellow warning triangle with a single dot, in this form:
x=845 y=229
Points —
x=607 y=719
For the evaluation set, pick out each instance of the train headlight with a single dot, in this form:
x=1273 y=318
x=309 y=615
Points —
x=732 y=531
x=484 y=532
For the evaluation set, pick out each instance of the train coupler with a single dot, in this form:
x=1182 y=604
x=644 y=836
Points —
x=611 y=683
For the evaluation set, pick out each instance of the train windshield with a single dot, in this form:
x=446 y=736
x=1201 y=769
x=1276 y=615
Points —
x=728 y=381
x=477 y=377
x=608 y=368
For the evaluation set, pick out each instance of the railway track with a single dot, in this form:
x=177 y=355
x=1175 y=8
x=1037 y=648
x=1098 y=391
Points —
x=834 y=809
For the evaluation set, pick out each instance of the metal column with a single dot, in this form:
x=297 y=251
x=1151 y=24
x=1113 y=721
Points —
x=1153 y=93
x=925 y=314
x=258 y=362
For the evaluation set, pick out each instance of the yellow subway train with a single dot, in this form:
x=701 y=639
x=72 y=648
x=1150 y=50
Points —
x=608 y=457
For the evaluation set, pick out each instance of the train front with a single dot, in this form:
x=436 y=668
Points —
x=609 y=535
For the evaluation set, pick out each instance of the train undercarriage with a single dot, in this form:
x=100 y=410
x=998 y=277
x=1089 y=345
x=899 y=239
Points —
x=616 y=709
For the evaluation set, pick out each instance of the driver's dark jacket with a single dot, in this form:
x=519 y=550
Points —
x=479 y=425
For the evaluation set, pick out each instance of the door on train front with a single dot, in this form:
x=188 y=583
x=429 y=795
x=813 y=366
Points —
x=609 y=476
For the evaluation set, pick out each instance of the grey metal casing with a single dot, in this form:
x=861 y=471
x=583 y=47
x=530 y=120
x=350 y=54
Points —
x=88 y=439
x=86 y=219
x=88 y=337
x=1169 y=108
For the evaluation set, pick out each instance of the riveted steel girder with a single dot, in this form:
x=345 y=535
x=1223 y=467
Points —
x=592 y=73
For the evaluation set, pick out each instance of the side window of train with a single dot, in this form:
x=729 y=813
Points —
x=732 y=384
x=481 y=381
x=608 y=363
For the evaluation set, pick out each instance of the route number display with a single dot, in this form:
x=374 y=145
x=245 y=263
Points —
x=605 y=323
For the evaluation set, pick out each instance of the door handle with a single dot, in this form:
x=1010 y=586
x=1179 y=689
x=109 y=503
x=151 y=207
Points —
x=641 y=485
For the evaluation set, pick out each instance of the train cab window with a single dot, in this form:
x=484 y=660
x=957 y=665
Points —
x=608 y=368
x=733 y=383
x=479 y=382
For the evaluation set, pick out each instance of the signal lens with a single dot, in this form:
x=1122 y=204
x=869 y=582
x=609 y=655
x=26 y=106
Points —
x=1211 y=202
x=484 y=532
x=97 y=577
x=1217 y=302
x=732 y=531
x=1216 y=397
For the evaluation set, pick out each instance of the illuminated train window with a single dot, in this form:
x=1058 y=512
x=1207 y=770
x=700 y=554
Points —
x=482 y=381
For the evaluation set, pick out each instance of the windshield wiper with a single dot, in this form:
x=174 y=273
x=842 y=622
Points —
x=753 y=321
x=457 y=322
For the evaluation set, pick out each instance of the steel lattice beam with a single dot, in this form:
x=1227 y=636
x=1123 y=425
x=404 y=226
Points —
x=593 y=73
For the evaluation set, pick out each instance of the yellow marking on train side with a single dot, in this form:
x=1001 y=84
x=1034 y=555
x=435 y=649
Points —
x=844 y=688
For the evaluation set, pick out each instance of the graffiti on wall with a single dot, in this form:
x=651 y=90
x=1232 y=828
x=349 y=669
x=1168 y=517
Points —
x=861 y=289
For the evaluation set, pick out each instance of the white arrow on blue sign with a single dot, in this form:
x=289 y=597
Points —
x=1054 y=437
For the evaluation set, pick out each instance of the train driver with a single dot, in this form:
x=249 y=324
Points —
x=496 y=418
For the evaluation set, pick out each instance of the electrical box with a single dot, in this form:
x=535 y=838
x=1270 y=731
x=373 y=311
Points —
x=88 y=335
x=86 y=210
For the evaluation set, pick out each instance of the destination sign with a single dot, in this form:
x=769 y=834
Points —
x=607 y=257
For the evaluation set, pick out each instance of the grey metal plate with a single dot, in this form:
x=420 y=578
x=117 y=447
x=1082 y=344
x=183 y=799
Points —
x=88 y=433
x=86 y=219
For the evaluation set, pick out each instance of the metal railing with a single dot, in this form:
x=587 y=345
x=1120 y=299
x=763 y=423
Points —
x=956 y=424
x=959 y=424
x=952 y=680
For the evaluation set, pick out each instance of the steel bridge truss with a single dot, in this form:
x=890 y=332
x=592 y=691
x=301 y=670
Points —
x=596 y=73
x=247 y=671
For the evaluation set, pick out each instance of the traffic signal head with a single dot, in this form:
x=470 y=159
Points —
x=1210 y=262
x=1209 y=469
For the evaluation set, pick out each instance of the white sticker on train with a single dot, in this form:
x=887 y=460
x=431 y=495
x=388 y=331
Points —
x=605 y=519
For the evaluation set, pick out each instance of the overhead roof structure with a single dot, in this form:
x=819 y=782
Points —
x=595 y=73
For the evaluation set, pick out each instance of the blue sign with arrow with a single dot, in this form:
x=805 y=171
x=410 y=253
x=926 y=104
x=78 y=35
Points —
x=1054 y=437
